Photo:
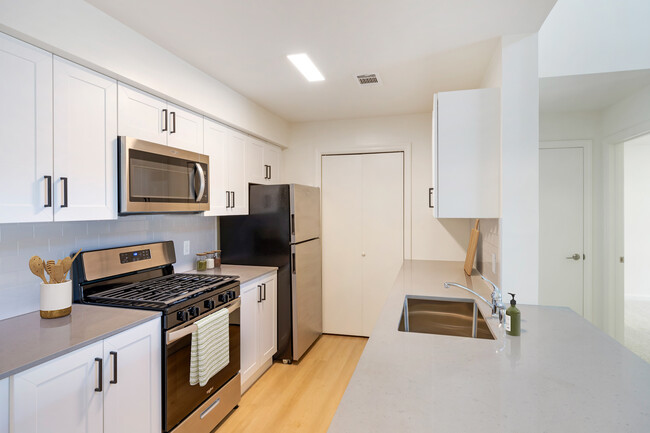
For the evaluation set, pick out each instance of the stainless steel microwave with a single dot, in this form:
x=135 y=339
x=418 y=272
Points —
x=153 y=178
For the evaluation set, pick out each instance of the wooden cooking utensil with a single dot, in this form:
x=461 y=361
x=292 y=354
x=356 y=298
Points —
x=57 y=273
x=48 y=268
x=37 y=267
x=67 y=263
x=471 y=249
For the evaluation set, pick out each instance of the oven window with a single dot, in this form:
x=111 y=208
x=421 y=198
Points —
x=158 y=178
x=181 y=397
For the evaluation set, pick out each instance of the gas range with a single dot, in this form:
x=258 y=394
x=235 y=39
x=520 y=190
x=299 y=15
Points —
x=142 y=276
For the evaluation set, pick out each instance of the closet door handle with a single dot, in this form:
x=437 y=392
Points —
x=100 y=375
x=64 y=186
x=430 y=197
x=114 y=356
x=48 y=191
x=264 y=286
x=164 y=114
x=173 y=116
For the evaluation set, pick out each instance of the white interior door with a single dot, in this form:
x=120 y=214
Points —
x=363 y=237
x=561 y=227
x=383 y=233
x=342 y=243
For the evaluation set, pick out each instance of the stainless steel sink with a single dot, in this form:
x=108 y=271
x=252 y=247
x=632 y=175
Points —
x=444 y=316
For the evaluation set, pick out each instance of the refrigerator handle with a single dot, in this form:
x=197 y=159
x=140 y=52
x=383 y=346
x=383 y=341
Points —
x=293 y=263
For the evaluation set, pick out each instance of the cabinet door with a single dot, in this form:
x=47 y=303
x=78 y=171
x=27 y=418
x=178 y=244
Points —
x=215 y=144
x=468 y=154
x=250 y=298
x=132 y=380
x=4 y=405
x=141 y=115
x=60 y=395
x=267 y=320
x=237 y=173
x=85 y=144
x=185 y=129
x=25 y=131
x=272 y=156
x=255 y=172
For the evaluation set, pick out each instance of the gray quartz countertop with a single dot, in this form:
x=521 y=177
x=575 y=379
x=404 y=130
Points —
x=28 y=340
x=245 y=273
x=562 y=374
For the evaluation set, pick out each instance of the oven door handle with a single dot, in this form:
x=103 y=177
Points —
x=172 y=336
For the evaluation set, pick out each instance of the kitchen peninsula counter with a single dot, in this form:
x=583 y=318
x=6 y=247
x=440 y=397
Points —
x=561 y=374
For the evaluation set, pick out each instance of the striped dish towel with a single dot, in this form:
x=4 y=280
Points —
x=210 y=351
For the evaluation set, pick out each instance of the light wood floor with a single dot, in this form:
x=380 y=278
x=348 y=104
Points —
x=301 y=397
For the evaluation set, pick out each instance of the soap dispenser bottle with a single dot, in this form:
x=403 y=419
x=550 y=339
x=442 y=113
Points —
x=513 y=318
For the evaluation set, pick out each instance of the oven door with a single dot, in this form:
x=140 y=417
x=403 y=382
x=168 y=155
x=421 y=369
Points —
x=157 y=178
x=181 y=398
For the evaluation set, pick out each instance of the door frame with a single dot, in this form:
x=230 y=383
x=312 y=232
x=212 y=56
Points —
x=614 y=279
x=405 y=148
x=587 y=278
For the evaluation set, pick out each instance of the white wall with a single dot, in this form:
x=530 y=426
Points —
x=19 y=288
x=78 y=31
x=637 y=216
x=592 y=36
x=520 y=167
x=431 y=239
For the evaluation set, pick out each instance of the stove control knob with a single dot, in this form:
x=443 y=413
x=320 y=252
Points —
x=183 y=316
x=223 y=297
x=209 y=304
x=194 y=311
x=232 y=294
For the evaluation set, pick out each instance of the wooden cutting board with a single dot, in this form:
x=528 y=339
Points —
x=471 y=249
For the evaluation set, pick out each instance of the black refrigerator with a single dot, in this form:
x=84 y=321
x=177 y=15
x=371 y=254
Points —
x=282 y=229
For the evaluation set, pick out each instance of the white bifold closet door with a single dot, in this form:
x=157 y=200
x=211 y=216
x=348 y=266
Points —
x=362 y=235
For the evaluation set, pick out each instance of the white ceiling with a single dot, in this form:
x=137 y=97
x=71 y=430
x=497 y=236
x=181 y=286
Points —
x=418 y=47
x=593 y=92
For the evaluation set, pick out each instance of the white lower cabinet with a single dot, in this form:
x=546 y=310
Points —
x=258 y=327
x=4 y=405
x=109 y=386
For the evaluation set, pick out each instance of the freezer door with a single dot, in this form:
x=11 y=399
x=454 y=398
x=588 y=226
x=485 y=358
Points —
x=305 y=213
x=306 y=295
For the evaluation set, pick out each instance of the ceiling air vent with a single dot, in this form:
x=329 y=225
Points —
x=368 y=80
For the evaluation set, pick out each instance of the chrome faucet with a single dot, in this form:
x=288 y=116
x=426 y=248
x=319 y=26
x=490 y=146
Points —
x=498 y=309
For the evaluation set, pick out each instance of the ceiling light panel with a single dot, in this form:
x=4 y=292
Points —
x=306 y=67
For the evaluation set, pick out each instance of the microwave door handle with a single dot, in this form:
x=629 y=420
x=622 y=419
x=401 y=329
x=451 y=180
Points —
x=199 y=195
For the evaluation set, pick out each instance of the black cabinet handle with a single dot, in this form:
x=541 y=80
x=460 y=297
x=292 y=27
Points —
x=233 y=199
x=264 y=286
x=100 y=376
x=64 y=185
x=270 y=173
x=173 y=116
x=164 y=111
x=430 y=197
x=293 y=263
x=259 y=293
x=48 y=191
x=293 y=224
x=114 y=355
x=227 y=199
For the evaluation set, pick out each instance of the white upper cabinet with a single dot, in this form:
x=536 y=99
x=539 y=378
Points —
x=85 y=144
x=272 y=156
x=262 y=162
x=25 y=132
x=149 y=118
x=4 y=404
x=228 y=187
x=185 y=129
x=141 y=115
x=466 y=154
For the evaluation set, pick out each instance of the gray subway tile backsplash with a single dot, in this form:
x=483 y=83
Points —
x=19 y=288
